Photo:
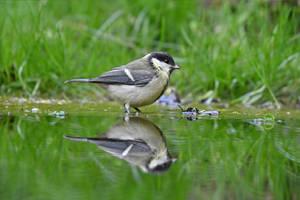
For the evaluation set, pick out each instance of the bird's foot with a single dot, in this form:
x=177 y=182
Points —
x=127 y=109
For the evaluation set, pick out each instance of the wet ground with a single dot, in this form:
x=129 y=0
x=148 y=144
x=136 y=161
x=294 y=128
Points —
x=52 y=149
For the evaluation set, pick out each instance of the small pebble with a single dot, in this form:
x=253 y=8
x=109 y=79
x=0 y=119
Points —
x=34 y=110
x=58 y=114
x=214 y=112
x=61 y=113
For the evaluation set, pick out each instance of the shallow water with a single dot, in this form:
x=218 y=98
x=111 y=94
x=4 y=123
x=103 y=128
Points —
x=238 y=154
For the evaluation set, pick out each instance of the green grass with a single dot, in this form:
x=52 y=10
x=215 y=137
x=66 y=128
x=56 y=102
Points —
x=247 y=52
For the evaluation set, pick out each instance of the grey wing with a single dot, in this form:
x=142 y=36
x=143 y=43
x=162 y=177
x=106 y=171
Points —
x=134 y=73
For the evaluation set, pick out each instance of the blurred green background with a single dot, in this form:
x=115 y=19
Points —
x=232 y=51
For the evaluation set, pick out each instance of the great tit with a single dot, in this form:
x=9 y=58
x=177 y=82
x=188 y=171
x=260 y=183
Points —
x=137 y=141
x=138 y=83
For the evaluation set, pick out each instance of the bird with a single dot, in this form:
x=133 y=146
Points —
x=138 y=83
x=137 y=141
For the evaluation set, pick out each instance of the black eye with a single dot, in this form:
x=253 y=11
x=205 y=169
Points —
x=166 y=61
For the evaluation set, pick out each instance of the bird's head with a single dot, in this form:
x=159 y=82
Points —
x=162 y=61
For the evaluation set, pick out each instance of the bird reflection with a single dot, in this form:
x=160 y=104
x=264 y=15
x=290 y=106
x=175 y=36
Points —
x=137 y=141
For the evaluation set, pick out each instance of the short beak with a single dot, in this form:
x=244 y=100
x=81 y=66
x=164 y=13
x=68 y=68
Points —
x=176 y=67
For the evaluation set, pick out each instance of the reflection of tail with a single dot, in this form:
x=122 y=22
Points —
x=117 y=147
x=99 y=141
x=82 y=139
x=78 y=80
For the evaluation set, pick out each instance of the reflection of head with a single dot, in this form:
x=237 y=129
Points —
x=162 y=167
x=137 y=141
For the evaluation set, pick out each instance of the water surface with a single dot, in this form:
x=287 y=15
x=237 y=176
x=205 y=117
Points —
x=160 y=154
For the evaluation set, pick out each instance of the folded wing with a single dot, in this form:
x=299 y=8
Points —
x=134 y=73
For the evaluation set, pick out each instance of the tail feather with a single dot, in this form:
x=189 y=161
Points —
x=76 y=138
x=83 y=139
x=78 y=80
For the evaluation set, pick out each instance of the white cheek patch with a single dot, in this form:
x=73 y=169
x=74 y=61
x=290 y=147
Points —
x=158 y=160
x=128 y=73
x=160 y=65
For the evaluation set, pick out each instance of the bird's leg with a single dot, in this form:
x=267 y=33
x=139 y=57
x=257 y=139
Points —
x=138 y=110
x=127 y=108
